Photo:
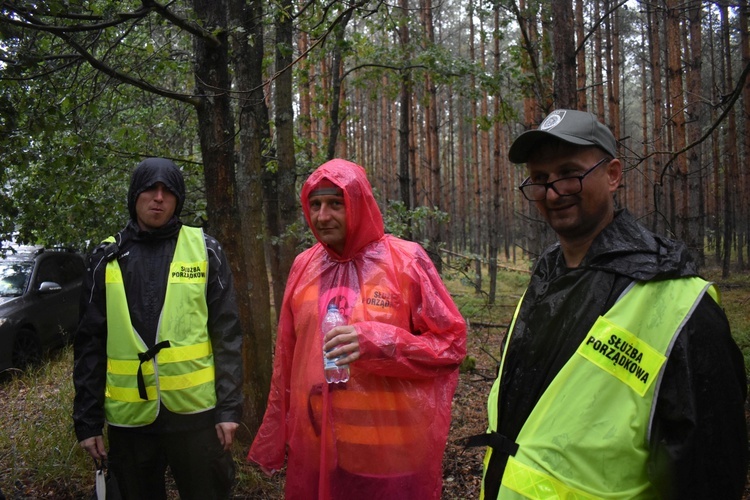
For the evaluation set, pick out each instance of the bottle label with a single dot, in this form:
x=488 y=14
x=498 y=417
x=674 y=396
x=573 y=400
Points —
x=329 y=363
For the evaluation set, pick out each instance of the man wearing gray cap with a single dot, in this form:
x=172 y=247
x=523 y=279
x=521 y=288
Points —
x=619 y=376
x=158 y=349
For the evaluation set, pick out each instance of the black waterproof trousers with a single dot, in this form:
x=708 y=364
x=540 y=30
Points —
x=200 y=466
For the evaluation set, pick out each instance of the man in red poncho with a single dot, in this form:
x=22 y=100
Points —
x=381 y=434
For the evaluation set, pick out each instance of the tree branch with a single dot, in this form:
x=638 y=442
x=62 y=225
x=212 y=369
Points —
x=63 y=33
x=384 y=66
x=189 y=26
x=32 y=20
x=729 y=104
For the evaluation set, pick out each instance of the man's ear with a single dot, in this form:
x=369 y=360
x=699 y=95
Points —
x=614 y=171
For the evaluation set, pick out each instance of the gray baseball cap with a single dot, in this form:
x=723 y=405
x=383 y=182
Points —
x=568 y=125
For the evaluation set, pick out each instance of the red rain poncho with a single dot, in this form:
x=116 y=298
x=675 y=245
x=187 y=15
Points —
x=383 y=434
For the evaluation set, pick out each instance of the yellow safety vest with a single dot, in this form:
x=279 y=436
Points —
x=179 y=370
x=588 y=435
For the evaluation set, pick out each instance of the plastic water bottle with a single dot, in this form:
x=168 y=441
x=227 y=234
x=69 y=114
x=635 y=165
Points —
x=334 y=374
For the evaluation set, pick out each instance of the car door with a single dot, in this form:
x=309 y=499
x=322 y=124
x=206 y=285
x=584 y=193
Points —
x=72 y=268
x=48 y=306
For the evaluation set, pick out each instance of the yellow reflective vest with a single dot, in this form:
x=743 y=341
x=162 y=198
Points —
x=588 y=435
x=179 y=370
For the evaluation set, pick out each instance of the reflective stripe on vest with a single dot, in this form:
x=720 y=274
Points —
x=580 y=440
x=181 y=375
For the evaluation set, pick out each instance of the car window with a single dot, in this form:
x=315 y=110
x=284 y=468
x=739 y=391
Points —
x=14 y=277
x=71 y=268
x=49 y=270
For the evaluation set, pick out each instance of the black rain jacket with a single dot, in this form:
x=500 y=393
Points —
x=144 y=257
x=699 y=439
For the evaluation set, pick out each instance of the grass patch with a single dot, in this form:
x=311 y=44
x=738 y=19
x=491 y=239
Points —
x=487 y=321
x=38 y=448
x=476 y=307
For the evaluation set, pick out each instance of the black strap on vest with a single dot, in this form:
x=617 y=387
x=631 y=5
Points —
x=497 y=442
x=502 y=448
x=111 y=251
x=146 y=356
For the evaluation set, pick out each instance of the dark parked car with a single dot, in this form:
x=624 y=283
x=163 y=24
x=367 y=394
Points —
x=40 y=291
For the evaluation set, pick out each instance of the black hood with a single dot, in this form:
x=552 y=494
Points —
x=149 y=172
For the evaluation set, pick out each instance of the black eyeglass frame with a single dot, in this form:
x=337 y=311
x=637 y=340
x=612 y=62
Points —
x=547 y=185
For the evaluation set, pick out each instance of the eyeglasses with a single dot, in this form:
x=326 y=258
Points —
x=565 y=186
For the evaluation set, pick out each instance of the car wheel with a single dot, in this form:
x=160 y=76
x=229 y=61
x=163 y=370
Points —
x=27 y=350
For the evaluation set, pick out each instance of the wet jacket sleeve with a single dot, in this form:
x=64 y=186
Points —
x=90 y=348
x=435 y=343
x=226 y=335
x=699 y=442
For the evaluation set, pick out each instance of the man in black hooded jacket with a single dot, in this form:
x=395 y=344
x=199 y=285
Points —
x=589 y=408
x=165 y=371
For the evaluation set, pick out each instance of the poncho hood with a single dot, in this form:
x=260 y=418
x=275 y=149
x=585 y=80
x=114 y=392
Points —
x=149 y=172
x=364 y=221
